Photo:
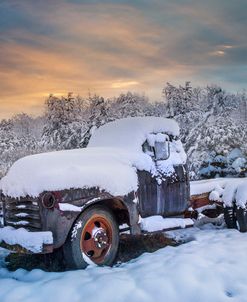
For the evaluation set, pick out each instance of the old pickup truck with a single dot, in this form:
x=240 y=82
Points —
x=80 y=200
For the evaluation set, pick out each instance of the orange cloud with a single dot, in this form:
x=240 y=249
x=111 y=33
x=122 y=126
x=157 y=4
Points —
x=105 y=48
x=106 y=56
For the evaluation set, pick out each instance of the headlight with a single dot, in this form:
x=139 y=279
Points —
x=48 y=200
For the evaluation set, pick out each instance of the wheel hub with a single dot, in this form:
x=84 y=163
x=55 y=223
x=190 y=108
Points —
x=100 y=238
x=96 y=238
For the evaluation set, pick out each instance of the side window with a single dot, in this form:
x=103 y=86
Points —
x=157 y=146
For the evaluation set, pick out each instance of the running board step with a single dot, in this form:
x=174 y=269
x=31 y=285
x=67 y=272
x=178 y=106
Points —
x=159 y=223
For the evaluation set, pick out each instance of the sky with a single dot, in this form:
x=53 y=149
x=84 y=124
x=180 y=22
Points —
x=109 y=47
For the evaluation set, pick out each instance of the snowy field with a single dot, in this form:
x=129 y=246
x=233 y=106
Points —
x=211 y=266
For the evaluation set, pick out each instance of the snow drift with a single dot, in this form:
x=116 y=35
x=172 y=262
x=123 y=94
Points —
x=210 y=267
x=32 y=241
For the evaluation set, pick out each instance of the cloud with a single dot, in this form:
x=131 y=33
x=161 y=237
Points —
x=123 y=84
x=112 y=46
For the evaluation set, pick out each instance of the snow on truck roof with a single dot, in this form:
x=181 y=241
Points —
x=131 y=132
x=109 y=162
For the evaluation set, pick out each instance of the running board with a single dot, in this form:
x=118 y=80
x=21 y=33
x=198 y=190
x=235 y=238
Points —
x=158 y=223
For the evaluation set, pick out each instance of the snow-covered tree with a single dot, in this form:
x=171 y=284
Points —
x=64 y=128
x=212 y=124
x=207 y=125
x=178 y=99
x=129 y=104
x=96 y=114
x=18 y=137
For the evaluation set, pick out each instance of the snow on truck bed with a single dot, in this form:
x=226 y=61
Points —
x=109 y=162
x=227 y=190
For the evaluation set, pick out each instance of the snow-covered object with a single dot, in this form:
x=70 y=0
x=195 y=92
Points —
x=234 y=154
x=241 y=194
x=227 y=190
x=72 y=208
x=207 y=185
x=110 y=162
x=69 y=207
x=214 y=196
x=131 y=133
x=107 y=168
x=239 y=164
x=32 y=241
x=159 y=137
x=177 y=157
x=158 y=223
x=229 y=193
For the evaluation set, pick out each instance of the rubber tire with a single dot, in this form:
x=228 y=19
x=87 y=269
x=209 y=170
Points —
x=241 y=215
x=230 y=217
x=72 y=252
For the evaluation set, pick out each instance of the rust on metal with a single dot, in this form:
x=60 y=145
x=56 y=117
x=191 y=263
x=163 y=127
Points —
x=200 y=200
x=191 y=214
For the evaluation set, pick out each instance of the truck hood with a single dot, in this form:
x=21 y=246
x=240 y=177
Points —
x=110 y=169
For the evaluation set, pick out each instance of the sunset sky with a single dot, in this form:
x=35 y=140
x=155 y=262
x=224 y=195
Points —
x=108 y=47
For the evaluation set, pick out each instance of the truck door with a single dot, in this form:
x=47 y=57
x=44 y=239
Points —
x=163 y=194
x=150 y=192
x=175 y=191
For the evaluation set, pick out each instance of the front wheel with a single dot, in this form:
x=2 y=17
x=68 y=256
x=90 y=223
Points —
x=94 y=238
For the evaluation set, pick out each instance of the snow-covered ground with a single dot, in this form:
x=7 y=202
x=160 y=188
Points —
x=210 y=267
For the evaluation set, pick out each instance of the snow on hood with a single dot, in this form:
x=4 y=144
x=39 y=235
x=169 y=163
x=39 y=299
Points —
x=106 y=168
x=110 y=161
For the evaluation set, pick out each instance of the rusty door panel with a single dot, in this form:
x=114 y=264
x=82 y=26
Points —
x=176 y=191
x=175 y=197
x=166 y=199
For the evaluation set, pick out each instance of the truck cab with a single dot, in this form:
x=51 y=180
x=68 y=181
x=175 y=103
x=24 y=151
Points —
x=78 y=200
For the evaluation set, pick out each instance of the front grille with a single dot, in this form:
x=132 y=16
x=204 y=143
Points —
x=22 y=213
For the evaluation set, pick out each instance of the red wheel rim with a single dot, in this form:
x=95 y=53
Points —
x=96 y=238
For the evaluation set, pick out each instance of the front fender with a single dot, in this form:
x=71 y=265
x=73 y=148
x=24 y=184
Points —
x=61 y=219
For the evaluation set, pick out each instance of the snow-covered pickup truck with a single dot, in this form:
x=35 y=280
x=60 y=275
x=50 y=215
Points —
x=132 y=174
